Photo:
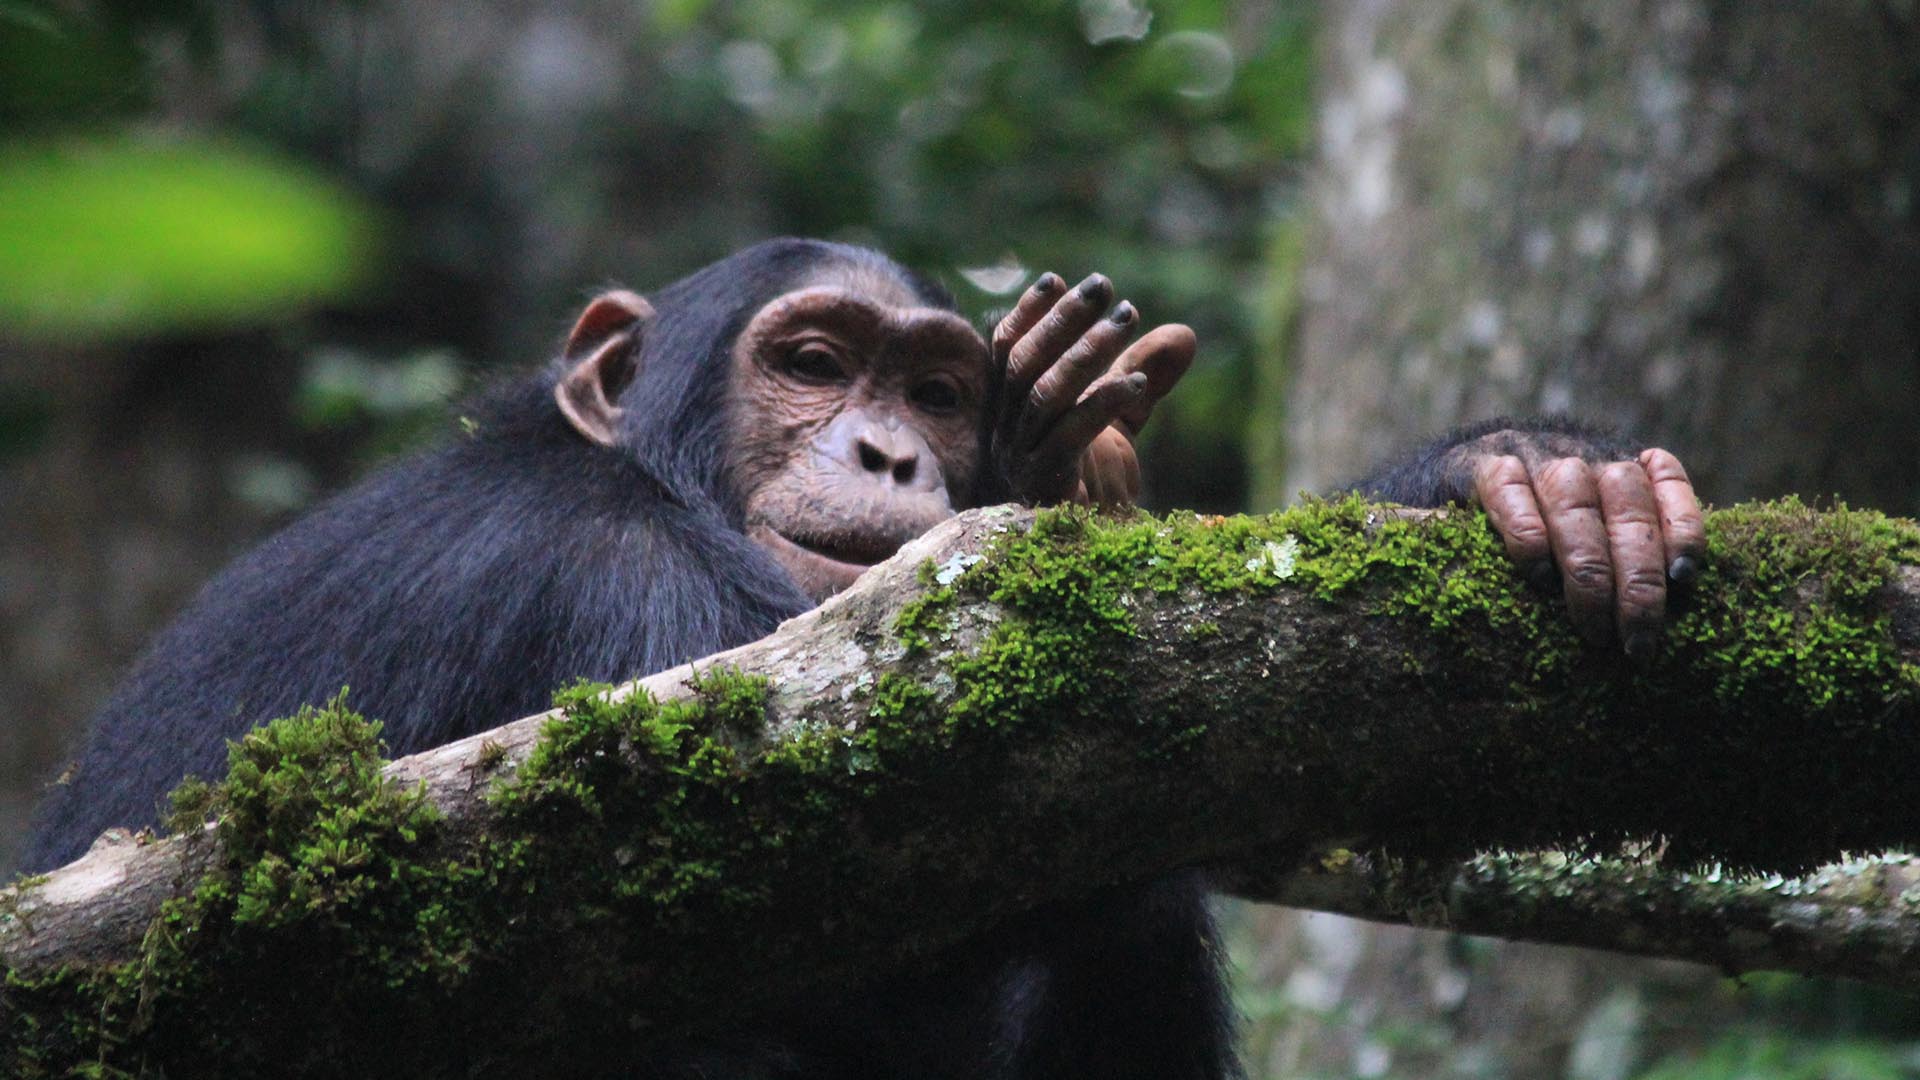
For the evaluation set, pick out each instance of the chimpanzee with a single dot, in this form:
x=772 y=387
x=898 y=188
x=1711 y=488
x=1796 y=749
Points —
x=694 y=469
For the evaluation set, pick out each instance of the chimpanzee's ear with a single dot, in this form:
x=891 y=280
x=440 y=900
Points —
x=603 y=354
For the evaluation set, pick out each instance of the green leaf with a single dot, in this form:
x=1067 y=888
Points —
x=118 y=237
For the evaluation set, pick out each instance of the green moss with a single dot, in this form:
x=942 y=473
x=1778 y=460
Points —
x=16 y=894
x=1786 y=623
x=311 y=828
x=56 y=1024
x=661 y=837
x=492 y=755
x=1068 y=586
x=318 y=916
x=921 y=619
x=1447 y=569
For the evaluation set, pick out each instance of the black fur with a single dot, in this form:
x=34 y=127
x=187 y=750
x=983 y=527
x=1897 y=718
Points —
x=1441 y=472
x=458 y=590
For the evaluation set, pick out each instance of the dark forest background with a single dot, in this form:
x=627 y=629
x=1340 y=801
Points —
x=248 y=250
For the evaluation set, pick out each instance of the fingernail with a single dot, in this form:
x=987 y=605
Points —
x=1048 y=284
x=1137 y=380
x=1683 y=569
x=1096 y=287
x=1123 y=313
x=1542 y=575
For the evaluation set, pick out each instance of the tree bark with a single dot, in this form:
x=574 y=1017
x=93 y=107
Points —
x=1092 y=702
x=1696 y=220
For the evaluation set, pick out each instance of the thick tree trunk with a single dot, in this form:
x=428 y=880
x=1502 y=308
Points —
x=995 y=720
x=1699 y=220
x=1695 y=219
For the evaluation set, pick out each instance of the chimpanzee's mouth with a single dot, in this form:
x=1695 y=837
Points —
x=822 y=566
x=852 y=550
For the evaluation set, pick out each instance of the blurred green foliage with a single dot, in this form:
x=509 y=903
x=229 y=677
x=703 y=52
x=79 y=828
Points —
x=123 y=237
x=1796 y=1028
x=1753 y=1053
x=64 y=66
x=342 y=386
x=106 y=234
x=1156 y=143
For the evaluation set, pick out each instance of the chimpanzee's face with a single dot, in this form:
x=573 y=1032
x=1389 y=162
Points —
x=854 y=423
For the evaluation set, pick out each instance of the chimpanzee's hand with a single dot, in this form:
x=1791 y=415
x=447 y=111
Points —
x=1074 y=394
x=1617 y=531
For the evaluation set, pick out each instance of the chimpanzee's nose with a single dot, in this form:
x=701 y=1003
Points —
x=882 y=448
x=881 y=452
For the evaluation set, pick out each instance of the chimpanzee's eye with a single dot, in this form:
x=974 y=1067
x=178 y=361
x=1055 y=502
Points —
x=814 y=364
x=935 y=396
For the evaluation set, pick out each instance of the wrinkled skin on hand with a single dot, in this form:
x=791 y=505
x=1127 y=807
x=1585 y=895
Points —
x=1617 y=534
x=1075 y=390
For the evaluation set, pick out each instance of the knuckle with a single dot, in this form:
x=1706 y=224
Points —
x=1023 y=354
x=1663 y=465
x=1687 y=534
x=1508 y=469
x=1643 y=584
x=1098 y=346
x=1589 y=575
x=1080 y=357
x=1683 y=521
x=1632 y=520
x=1566 y=474
x=1502 y=470
x=1527 y=532
x=1622 y=472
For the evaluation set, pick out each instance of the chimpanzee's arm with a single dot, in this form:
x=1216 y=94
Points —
x=1615 y=521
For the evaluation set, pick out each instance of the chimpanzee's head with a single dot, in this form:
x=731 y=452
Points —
x=826 y=399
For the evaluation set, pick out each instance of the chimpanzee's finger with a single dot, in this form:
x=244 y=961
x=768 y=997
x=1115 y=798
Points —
x=1682 y=527
x=1132 y=461
x=1570 y=502
x=1504 y=490
x=1093 y=475
x=1111 y=471
x=1060 y=387
x=1069 y=318
x=1639 y=557
x=1034 y=303
x=1069 y=438
x=1162 y=354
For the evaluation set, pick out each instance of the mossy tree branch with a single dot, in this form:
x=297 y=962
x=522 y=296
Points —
x=1858 y=918
x=1007 y=715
